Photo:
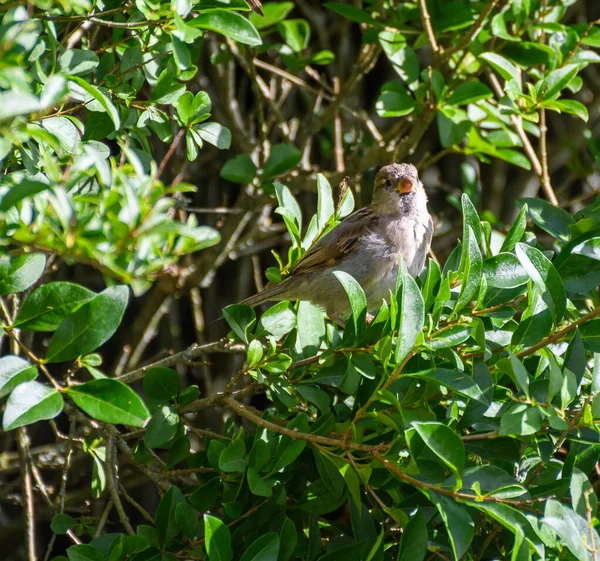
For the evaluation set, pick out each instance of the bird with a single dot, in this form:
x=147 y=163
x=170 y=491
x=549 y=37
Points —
x=366 y=245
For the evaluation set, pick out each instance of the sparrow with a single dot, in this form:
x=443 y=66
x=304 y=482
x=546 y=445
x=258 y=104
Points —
x=366 y=245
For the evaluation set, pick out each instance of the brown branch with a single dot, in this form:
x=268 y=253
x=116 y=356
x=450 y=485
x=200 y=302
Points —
x=27 y=490
x=456 y=495
x=111 y=480
x=560 y=333
x=473 y=31
x=170 y=152
x=243 y=411
x=425 y=17
x=189 y=354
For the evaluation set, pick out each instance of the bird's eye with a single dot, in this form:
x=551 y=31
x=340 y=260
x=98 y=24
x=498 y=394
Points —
x=388 y=183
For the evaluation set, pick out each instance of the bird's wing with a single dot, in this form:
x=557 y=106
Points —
x=338 y=243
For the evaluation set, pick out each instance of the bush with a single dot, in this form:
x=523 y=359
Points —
x=459 y=424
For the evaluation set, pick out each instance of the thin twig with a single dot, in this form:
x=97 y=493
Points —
x=103 y=519
x=170 y=152
x=243 y=411
x=337 y=132
x=560 y=333
x=473 y=31
x=189 y=354
x=27 y=490
x=111 y=480
x=426 y=18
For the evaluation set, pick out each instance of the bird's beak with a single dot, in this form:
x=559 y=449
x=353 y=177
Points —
x=405 y=185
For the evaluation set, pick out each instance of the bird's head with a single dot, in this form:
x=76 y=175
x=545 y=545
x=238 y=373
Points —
x=398 y=188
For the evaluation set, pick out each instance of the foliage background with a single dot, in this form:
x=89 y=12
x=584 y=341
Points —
x=120 y=171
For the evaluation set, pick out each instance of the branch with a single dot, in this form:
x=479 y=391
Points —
x=527 y=146
x=111 y=480
x=27 y=490
x=428 y=29
x=473 y=32
x=556 y=336
x=243 y=411
x=193 y=351
x=456 y=495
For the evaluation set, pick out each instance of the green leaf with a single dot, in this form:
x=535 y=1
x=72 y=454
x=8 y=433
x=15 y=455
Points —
x=186 y=519
x=47 y=306
x=296 y=33
x=90 y=326
x=162 y=427
x=352 y=13
x=167 y=90
x=552 y=219
x=84 y=552
x=218 y=539
x=458 y=382
x=24 y=189
x=228 y=23
x=264 y=548
x=519 y=374
x=240 y=169
x=325 y=207
x=544 y=276
x=469 y=92
x=572 y=529
x=571 y=106
x=30 y=402
x=411 y=313
x=164 y=519
x=241 y=319
x=78 y=61
x=557 y=80
x=273 y=12
x=233 y=458
x=19 y=273
x=110 y=401
x=15 y=370
x=278 y=320
x=394 y=101
x=590 y=335
x=102 y=99
x=521 y=420
x=288 y=538
x=67 y=134
x=472 y=267
x=459 y=524
x=283 y=157
x=413 y=545
x=356 y=297
x=504 y=271
x=259 y=486
x=527 y=54
x=161 y=383
x=506 y=69
x=445 y=444
x=403 y=58
x=515 y=234
x=311 y=329
x=214 y=134
x=61 y=523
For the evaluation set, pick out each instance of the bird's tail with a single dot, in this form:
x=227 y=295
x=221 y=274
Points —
x=272 y=292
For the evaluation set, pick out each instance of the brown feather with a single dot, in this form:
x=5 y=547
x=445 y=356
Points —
x=337 y=243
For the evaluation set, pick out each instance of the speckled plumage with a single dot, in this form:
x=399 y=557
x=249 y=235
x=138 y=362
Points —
x=365 y=245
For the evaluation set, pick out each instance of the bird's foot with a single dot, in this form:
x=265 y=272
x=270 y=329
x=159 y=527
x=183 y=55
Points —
x=369 y=318
x=336 y=319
